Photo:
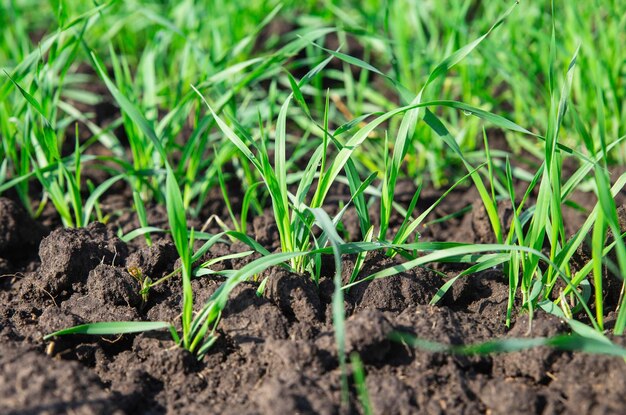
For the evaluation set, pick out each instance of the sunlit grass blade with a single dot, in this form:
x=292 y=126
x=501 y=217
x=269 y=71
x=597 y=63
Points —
x=358 y=373
x=508 y=345
x=178 y=225
x=111 y=328
x=128 y=107
x=325 y=223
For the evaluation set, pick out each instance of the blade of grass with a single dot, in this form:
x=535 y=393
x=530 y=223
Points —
x=112 y=328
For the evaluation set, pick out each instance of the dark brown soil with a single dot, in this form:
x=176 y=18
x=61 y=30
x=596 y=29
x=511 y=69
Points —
x=276 y=353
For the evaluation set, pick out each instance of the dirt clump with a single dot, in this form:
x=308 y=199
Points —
x=295 y=295
x=394 y=293
x=154 y=261
x=31 y=383
x=19 y=236
x=67 y=256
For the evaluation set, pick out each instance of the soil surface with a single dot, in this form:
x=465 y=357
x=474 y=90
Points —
x=275 y=353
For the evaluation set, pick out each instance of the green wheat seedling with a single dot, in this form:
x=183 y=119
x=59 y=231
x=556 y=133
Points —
x=408 y=125
x=197 y=332
x=604 y=217
x=62 y=185
x=358 y=373
x=582 y=340
x=542 y=224
x=292 y=216
x=33 y=146
x=546 y=225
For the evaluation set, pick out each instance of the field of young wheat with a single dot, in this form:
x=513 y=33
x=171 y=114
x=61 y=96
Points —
x=329 y=206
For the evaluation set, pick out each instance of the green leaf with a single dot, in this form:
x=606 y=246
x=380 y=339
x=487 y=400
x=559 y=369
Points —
x=111 y=328
x=129 y=108
x=573 y=342
x=178 y=225
x=326 y=224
